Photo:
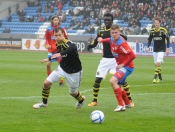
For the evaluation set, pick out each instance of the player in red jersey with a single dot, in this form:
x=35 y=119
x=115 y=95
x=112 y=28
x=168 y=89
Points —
x=124 y=57
x=51 y=44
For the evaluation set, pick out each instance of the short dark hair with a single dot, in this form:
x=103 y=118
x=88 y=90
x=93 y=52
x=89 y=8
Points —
x=108 y=14
x=157 y=19
x=56 y=30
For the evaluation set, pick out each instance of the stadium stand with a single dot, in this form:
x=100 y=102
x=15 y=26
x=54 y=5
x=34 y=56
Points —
x=125 y=15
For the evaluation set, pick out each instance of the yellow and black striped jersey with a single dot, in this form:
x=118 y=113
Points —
x=70 y=62
x=159 y=37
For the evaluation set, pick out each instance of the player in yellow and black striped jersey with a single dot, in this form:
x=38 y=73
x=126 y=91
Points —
x=108 y=62
x=70 y=68
x=160 y=36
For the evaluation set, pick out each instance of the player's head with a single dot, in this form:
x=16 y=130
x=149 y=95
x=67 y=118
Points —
x=157 y=22
x=108 y=19
x=58 y=34
x=115 y=31
x=55 y=20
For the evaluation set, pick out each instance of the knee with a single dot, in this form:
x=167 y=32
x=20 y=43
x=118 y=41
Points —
x=73 y=93
x=47 y=84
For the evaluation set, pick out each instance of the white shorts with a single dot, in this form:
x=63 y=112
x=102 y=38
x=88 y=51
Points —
x=73 y=80
x=158 y=57
x=106 y=66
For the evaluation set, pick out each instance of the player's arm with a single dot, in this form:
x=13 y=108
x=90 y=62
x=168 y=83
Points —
x=149 y=41
x=47 y=38
x=95 y=42
x=101 y=40
x=124 y=36
x=127 y=50
x=168 y=42
x=65 y=33
x=70 y=47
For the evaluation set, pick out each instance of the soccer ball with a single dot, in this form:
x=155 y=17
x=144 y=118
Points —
x=97 y=117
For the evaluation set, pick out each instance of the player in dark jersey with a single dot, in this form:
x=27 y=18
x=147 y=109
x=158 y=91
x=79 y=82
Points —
x=70 y=68
x=159 y=35
x=108 y=62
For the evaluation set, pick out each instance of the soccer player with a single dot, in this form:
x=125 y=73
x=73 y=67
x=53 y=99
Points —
x=107 y=63
x=51 y=44
x=70 y=68
x=124 y=57
x=159 y=35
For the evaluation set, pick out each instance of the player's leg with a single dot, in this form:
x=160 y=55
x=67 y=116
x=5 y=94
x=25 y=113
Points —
x=61 y=78
x=102 y=71
x=73 y=81
x=128 y=93
x=156 y=72
x=96 y=88
x=49 y=67
x=117 y=91
x=158 y=65
x=52 y=78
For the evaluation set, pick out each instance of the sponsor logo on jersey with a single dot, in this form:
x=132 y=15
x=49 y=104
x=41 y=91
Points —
x=157 y=38
x=64 y=55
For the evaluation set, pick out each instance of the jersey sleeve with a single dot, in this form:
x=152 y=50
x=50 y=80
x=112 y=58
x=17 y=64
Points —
x=125 y=48
x=47 y=36
x=95 y=42
x=167 y=38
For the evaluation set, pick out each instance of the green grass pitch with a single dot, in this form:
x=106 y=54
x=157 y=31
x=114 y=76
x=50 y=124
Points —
x=21 y=80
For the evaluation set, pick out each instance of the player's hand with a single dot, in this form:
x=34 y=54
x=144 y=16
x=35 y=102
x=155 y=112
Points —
x=89 y=47
x=167 y=51
x=119 y=66
x=57 y=55
x=99 y=39
x=147 y=49
x=48 y=46
x=44 y=60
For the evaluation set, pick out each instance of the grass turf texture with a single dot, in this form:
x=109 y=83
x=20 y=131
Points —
x=21 y=81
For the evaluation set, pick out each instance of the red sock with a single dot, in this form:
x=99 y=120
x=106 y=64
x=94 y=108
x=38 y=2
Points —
x=48 y=72
x=61 y=81
x=118 y=94
x=125 y=98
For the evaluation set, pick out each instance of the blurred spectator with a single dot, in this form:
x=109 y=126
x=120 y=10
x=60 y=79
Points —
x=6 y=30
x=45 y=9
x=73 y=21
x=9 y=10
x=51 y=9
x=90 y=29
x=60 y=5
x=9 y=19
x=0 y=23
x=144 y=31
x=90 y=40
x=170 y=31
x=71 y=12
x=39 y=9
x=63 y=17
x=76 y=27
x=137 y=30
x=97 y=22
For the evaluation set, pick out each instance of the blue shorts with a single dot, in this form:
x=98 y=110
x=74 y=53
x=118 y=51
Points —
x=122 y=74
x=50 y=55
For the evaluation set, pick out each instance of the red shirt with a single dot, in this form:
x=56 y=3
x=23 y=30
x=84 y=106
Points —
x=50 y=40
x=121 y=51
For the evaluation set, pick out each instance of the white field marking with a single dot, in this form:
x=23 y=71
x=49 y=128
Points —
x=36 y=97
x=90 y=90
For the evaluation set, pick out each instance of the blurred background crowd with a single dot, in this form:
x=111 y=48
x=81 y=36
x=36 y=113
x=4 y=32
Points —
x=134 y=16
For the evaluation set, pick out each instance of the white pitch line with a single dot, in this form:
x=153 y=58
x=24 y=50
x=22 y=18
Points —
x=90 y=90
